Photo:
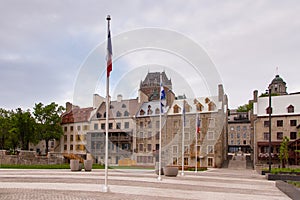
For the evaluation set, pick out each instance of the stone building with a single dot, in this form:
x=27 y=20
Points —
x=285 y=118
x=121 y=130
x=239 y=132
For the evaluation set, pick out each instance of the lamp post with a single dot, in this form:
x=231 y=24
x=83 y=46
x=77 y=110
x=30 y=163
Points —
x=270 y=130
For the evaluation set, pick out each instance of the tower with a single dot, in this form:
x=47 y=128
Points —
x=278 y=86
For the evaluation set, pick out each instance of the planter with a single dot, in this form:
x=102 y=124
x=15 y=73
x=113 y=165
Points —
x=171 y=171
x=290 y=190
x=75 y=166
x=88 y=164
x=283 y=177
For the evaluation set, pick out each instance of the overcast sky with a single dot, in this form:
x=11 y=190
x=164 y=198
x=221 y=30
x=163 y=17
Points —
x=44 y=44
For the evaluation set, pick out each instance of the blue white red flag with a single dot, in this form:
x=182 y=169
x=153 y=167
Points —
x=198 y=124
x=109 y=54
x=162 y=97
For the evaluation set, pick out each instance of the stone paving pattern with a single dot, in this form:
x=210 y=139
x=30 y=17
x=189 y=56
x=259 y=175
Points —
x=136 y=184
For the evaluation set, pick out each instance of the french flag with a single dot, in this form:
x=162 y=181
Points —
x=162 y=97
x=109 y=54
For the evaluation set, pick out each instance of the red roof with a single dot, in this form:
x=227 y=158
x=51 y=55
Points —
x=77 y=115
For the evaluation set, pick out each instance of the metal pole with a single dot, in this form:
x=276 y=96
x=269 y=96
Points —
x=196 y=148
x=270 y=130
x=159 y=155
x=105 y=188
x=182 y=148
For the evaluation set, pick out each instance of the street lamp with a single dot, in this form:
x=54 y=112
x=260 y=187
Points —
x=270 y=128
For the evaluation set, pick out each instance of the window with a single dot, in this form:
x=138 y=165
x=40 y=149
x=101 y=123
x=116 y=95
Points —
x=210 y=135
x=175 y=149
x=126 y=125
x=123 y=106
x=141 y=124
x=238 y=135
x=110 y=125
x=65 y=147
x=176 y=109
x=119 y=114
x=231 y=135
x=293 y=135
x=244 y=142
x=98 y=115
x=157 y=124
x=142 y=112
x=266 y=123
x=244 y=135
x=157 y=111
x=85 y=127
x=238 y=128
x=95 y=126
x=102 y=126
x=175 y=161
x=210 y=162
x=157 y=136
x=126 y=113
x=211 y=106
x=149 y=124
x=244 y=128
x=186 y=149
x=210 y=149
x=293 y=122
x=279 y=135
x=65 y=138
x=186 y=161
x=266 y=136
x=279 y=123
x=71 y=128
x=71 y=147
x=211 y=122
x=78 y=128
x=186 y=136
x=238 y=142
x=118 y=125
x=149 y=147
x=290 y=109
x=65 y=128
x=71 y=138
x=149 y=135
x=141 y=147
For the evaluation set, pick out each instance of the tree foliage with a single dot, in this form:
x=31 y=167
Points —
x=284 y=151
x=245 y=108
x=48 y=121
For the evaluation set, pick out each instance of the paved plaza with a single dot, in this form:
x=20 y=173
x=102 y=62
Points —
x=136 y=184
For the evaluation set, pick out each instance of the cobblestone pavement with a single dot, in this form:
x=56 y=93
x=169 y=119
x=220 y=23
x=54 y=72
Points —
x=135 y=184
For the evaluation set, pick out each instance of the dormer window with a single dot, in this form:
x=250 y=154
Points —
x=157 y=111
x=98 y=115
x=207 y=100
x=123 y=106
x=199 y=107
x=119 y=114
x=211 y=106
x=290 y=109
x=176 y=109
x=142 y=112
x=126 y=113
x=269 y=110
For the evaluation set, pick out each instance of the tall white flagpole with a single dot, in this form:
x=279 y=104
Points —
x=161 y=110
x=182 y=148
x=108 y=68
x=196 y=145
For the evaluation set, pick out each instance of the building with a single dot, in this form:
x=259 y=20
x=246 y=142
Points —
x=285 y=118
x=239 y=132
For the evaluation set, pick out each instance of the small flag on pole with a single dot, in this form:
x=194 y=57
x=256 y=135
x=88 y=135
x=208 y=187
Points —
x=109 y=53
x=162 y=97
x=198 y=124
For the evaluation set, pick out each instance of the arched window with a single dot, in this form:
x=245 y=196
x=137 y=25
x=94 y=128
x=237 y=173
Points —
x=176 y=109
x=290 y=109
x=98 y=115
x=157 y=111
x=142 y=112
x=126 y=113
x=119 y=114
x=211 y=106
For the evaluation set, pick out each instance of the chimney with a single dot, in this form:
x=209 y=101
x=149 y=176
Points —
x=220 y=92
x=119 y=98
x=68 y=107
x=255 y=93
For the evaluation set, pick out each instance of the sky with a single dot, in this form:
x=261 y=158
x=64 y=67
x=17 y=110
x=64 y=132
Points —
x=47 y=48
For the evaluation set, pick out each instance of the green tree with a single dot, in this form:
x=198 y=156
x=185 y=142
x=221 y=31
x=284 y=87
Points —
x=284 y=151
x=5 y=126
x=48 y=122
x=23 y=127
x=245 y=108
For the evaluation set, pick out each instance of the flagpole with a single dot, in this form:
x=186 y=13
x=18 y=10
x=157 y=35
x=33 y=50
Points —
x=159 y=154
x=106 y=188
x=182 y=148
x=196 y=149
